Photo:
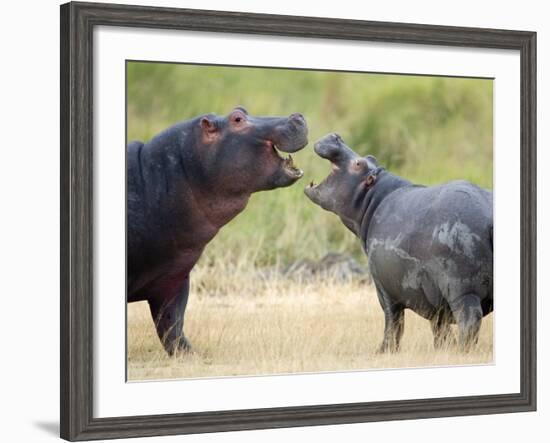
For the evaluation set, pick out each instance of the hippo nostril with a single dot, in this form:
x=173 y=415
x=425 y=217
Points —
x=297 y=116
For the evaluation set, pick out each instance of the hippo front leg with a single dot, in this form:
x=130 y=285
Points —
x=168 y=316
x=394 y=318
x=468 y=314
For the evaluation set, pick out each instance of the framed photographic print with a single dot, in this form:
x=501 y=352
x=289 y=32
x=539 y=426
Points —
x=272 y=221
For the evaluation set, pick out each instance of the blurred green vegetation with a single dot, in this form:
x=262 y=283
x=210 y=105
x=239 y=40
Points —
x=427 y=129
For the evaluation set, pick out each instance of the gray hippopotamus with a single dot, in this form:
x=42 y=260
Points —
x=429 y=249
x=183 y=186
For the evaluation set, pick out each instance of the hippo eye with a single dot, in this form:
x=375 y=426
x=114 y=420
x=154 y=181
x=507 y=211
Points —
x=360 y=164
x=237 y=118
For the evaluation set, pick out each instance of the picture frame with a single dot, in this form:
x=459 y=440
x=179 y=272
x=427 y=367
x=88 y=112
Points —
x=78 y=21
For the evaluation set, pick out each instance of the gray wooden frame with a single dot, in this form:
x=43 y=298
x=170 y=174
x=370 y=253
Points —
x=77 y=24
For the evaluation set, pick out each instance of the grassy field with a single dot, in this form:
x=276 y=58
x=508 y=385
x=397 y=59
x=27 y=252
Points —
x=279 y=327
x=427 y=129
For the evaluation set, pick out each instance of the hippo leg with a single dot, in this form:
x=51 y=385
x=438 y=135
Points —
x=441 y=328
x=168 y=317
x=394 y=317
x=468 y=313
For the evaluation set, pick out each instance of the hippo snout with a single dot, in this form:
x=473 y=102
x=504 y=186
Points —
x=292 y=135
x=329 y=146
x=333 y=148
x=298 y=118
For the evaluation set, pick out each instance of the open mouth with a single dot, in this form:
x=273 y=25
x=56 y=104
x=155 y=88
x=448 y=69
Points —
x=312 y=191
x=288 y=165
x=333 y=169
x=312 y=185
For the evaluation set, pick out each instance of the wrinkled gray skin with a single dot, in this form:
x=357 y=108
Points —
x=430 y=249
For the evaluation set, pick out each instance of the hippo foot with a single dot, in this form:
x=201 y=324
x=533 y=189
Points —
x=468 y=345
x=386 y=348
x=444 y=338
x=180 y=346
x=445 y=342
x=184 y=346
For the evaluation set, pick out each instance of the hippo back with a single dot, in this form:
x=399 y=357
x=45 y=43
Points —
x=426 y=244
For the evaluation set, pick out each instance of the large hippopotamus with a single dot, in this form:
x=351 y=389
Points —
x=183 y=186
x=429 y=249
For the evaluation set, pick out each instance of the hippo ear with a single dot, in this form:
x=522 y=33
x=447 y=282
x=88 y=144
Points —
x=208 y=125
x=371 y=161
x=369 y=180
x=242 y=109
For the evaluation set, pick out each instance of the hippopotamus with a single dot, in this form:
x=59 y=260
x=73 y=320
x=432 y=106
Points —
x=183 y=186
x=429 y=248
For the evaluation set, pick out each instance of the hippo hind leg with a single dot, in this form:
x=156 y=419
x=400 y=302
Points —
x=168 y=316
x=394 y=317
x=441 y=327
x=468 y=314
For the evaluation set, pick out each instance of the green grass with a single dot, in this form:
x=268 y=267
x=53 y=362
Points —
x=427 y=129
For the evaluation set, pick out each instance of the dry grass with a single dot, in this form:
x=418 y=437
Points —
x=243 y=324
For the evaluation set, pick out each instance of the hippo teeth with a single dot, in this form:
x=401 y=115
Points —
x=289 y=163
x=312 y=184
